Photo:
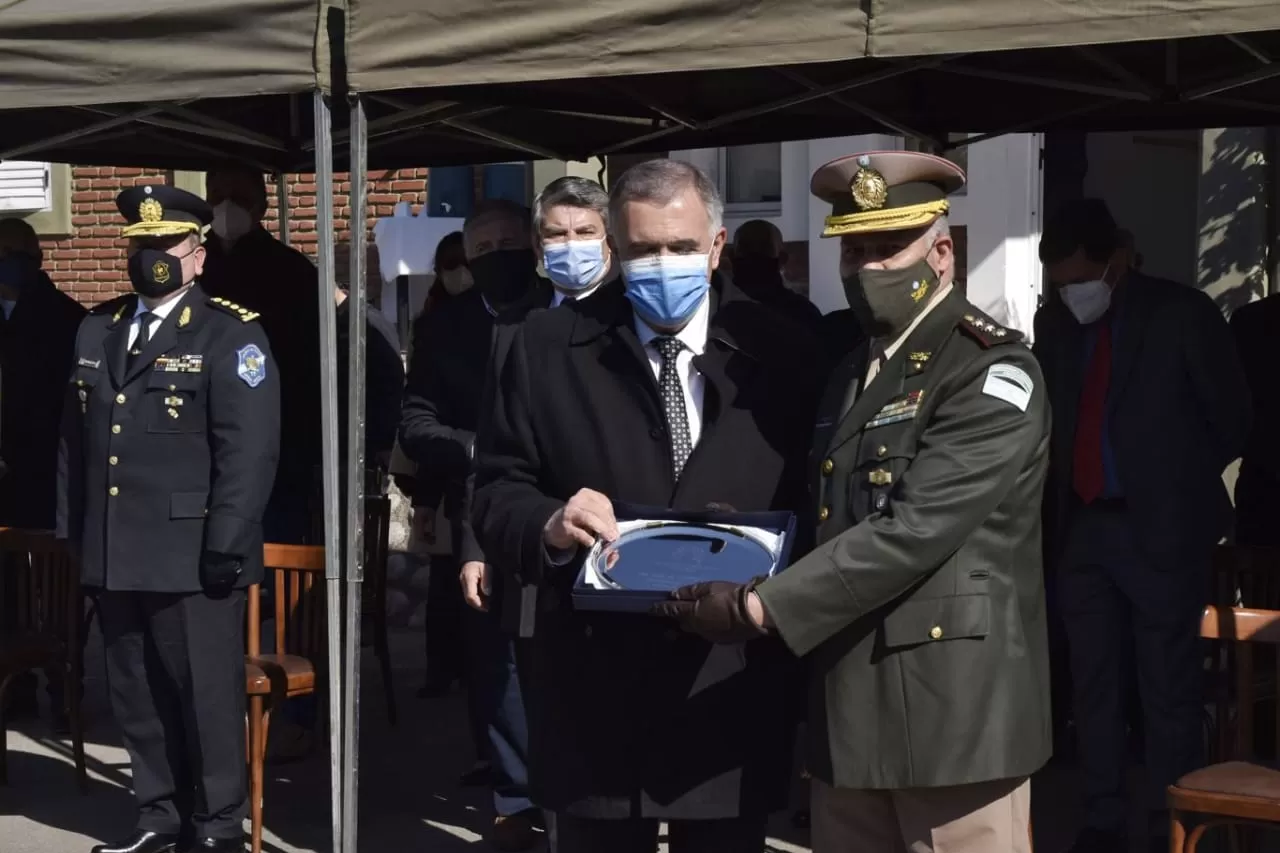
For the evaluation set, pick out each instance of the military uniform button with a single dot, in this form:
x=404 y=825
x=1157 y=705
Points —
x=935 y=632
x=828 y=466
x=173 y=387
x=824 y=513
x=115 y=429
x=120 y=398
x=113 y=491
x=114 y=460
x=882 y=451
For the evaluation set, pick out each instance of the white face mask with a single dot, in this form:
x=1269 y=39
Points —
x=456 y=280
x=231 y=221
x=1087 y=300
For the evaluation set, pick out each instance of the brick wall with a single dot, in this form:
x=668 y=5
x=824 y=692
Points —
x=90 y=263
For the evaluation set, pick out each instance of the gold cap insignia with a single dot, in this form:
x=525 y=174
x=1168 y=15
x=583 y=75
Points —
x=160 y=272
x=185 y=317
x=150 y=210
x=869 y=189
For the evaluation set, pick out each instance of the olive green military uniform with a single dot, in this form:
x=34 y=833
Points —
x=921 y=611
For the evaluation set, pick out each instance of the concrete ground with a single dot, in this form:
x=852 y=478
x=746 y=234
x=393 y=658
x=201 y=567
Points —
x=409 y=797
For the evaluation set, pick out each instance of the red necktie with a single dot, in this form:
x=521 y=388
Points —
x=1088 y=475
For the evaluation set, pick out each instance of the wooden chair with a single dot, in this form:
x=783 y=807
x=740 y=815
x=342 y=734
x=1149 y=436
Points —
x=1233 y=792
x=290 y=669
x=42 y=629
x=377 y=532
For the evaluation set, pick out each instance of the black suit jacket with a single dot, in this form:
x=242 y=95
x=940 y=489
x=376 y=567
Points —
x=628 y=717
x=1178 y=409
x=37 y=351
x=170 y=456
x=452 y=363
x=1257 y=330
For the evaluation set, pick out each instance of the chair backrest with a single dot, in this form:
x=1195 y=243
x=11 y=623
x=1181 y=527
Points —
x=377 y=534
x=42 y=587
x=1246 y=576
x=298 y=601
x=1242 y=627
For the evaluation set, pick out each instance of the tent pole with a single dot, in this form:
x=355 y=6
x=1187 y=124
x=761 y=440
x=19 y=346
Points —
x=356 y=306
x=282 y=207
x=329 y=466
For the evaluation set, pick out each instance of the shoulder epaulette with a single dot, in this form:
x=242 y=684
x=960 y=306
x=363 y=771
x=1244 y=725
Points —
x=986 y=331
x=114 y=306
x=244 y=314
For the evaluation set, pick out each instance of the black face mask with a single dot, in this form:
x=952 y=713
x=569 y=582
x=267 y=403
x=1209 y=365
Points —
x=504 y=276
x=886 y=301
x=155 y=273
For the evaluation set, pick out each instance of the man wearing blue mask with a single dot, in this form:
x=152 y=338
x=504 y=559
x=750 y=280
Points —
x=570 y=218
x=1150 y=404
x=656 y=393
x=38 y=326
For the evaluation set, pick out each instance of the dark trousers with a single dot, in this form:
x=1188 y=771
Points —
x=497 y=710
x=581 y=835
x=1114 y=599
x=175 y=666
x=445 y=657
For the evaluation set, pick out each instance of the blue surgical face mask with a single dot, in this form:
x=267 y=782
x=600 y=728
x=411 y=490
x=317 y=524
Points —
x=667 y=290
x=574 y=265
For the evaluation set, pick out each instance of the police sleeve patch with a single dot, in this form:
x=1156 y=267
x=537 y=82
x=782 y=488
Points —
x=251 y=365
x=1009 y=383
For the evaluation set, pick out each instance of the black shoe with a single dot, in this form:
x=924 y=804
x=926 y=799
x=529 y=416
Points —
x=480 y=776
x=218 y=845
x=142 y=841
x=1093 y=840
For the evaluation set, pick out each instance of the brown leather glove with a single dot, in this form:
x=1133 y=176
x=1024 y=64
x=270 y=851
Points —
x=714 y=610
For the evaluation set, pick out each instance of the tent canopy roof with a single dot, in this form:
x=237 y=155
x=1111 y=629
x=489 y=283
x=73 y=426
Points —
x=178 y=87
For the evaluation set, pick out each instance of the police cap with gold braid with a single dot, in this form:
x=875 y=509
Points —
x=158 y=210
x=885 y=191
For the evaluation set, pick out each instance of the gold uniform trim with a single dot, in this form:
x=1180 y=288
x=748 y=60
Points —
x=159 y=229
x=893 y=219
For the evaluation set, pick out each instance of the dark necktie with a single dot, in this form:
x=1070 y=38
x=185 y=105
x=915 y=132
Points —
x=1088 y=474
x=144 y=335
x=673 y=407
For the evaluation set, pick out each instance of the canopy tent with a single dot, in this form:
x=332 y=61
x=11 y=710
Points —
x=568 y=81
x=155 y=83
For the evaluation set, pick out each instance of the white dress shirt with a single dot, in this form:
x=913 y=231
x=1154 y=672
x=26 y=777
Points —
x=7 y=305
x=559 y=296
x=158 y=314
x=694 y=338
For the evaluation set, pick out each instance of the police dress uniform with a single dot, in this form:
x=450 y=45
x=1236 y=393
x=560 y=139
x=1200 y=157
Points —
x=168 y=449
x=921 y=611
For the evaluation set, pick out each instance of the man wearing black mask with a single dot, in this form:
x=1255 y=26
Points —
x=759 y=257
x=37 y=347
x=443 y=410
x=169 y=441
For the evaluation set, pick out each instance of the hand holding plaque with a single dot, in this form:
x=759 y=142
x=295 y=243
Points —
x=586 y=518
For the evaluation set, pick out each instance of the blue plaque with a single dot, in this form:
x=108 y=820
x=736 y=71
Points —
x=660 y=550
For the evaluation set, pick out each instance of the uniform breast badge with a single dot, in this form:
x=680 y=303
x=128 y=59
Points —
x=251 y=365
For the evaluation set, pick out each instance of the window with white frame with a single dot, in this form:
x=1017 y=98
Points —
x=751 y=176
x=24 y=187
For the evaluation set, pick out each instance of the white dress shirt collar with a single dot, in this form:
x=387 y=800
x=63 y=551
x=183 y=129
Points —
x=162 y=310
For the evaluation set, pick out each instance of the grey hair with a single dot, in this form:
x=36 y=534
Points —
x=659 y=181
x=941 y=227
x=570 y=191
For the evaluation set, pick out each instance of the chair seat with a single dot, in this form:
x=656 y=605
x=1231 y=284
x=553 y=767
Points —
x=297 y=674
x=256 y=682
x=29 y=652
x=1235 y=779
